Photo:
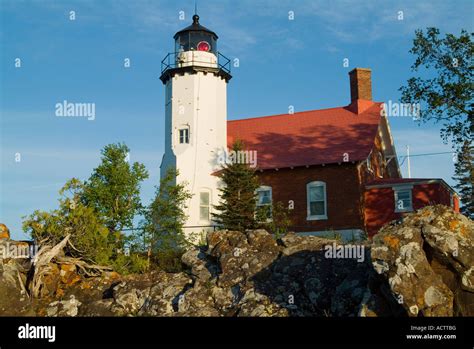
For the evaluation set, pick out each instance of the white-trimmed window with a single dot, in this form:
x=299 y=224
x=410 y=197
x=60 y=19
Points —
x=316 y=200
x=205 y=206
x=403 y=200
x=183 y=135
x=264 y=199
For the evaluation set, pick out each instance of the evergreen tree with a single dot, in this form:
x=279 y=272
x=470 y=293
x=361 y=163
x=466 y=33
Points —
x=163 y=224
x=237 y=209
x=165 y=217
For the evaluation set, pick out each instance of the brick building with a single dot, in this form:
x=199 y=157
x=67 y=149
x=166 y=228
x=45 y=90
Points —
x=336 y=167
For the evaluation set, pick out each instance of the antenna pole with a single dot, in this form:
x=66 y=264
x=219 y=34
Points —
x=408 y=161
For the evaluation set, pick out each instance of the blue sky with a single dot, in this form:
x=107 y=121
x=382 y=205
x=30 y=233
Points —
x=282 y=62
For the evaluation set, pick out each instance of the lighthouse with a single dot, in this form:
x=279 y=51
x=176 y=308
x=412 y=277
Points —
x=195 y=76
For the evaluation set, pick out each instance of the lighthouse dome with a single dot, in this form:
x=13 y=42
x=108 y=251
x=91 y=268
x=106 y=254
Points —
x=196 y=38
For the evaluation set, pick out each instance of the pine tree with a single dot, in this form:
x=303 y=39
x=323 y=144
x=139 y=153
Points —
x=237 y=209
x=162 y=230
x=464 y=176
x=167 y=211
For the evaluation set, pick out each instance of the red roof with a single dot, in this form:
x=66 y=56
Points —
x=311 y=137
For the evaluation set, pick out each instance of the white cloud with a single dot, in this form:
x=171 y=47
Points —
x=362 y=20
x=357 y=21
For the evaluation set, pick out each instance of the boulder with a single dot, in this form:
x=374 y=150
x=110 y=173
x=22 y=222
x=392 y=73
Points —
x=294 y=243
x=255 y=304
x=241 y=255
x=152 y=294
x=69 y=307
x=426 y=262
x=4 y=232
x=14 y=298
x=197 y=301
x=200 y=264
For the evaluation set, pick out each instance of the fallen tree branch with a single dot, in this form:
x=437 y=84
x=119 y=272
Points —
x=42 y=266
x=87 y=269
x=41 y=262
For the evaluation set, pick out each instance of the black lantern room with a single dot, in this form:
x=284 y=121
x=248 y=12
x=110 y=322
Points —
x=196 y=38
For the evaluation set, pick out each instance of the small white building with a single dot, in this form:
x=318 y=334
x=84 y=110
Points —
x=195 y=76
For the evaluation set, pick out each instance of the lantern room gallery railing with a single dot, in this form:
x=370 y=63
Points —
x=171 y=61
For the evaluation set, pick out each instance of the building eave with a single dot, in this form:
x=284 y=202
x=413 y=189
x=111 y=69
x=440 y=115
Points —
x=413 y=182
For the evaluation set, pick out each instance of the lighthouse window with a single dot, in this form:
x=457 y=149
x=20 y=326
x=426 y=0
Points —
x=191 y=41
x=204 y=206
x=184 y=136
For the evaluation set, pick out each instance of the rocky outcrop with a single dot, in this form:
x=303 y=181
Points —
x=426 y=263
x=251 y=274
x=421 y=266
x=236 y=274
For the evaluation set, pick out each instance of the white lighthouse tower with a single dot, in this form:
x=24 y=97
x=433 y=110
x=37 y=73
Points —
x=196 y=76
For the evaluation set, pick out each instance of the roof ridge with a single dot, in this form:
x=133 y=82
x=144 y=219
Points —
x=299 y=112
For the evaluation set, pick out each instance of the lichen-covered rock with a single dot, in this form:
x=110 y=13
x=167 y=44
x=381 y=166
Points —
x=4 y=232
x=200 y=265
x=101 y=307
x=255 y=304
x=241 y=255
x=197 y=301
x=151 y=294
x=165 y=294
x=14 y=299
x=69 y=307
x=426 y=262
x=307 y=283
x=294 y=243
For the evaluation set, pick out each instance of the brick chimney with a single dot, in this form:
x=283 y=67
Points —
x=361 y=89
